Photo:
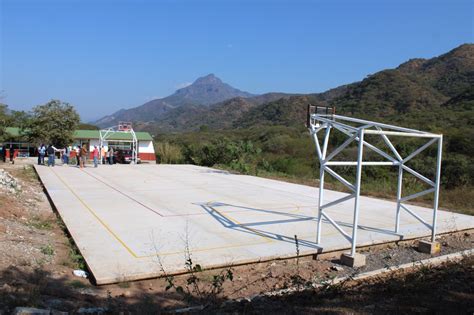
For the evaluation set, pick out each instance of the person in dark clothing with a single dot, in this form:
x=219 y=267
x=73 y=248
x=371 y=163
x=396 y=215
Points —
x=3 y=153
x=50 y=151
x=12 y=154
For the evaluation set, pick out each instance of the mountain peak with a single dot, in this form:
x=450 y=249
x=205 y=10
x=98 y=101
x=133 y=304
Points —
x=207 y=90
x=208 y=79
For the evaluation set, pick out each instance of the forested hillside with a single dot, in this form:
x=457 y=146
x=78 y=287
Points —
x=218 y=116
x=415 y=88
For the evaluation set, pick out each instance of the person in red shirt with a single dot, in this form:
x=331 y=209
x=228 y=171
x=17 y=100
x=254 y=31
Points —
x=95 y=155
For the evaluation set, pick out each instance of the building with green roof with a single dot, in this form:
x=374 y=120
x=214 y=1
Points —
x=115 y=139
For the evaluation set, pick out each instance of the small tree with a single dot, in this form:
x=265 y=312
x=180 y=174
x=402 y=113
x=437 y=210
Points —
x=3 y=121
x=53 y=122
x=20 y=119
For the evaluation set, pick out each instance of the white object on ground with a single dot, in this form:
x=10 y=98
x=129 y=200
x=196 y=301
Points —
x=80 y=273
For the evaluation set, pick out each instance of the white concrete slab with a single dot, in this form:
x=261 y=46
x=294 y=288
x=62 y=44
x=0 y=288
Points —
x=126 y=218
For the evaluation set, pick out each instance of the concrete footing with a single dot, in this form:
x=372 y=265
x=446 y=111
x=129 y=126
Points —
x=429 y=247
x=358 y=260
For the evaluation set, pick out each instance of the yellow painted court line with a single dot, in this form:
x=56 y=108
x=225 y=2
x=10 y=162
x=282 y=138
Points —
x=91 y=211
x=89 y=208
x=228 y=217
x=261 y=212
x=198 y=187
x=204 y=249
x=266 y=239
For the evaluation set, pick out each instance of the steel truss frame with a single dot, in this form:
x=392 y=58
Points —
x=104 y=135
x=324 y=123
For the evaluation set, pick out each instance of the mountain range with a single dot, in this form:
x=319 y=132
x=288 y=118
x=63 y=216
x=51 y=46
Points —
x=415 y=86
x=204 y=91
x=417 y=89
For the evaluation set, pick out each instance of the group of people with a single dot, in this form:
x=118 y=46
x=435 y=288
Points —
x=82 y=154
x=102 y=154
x=50 y=151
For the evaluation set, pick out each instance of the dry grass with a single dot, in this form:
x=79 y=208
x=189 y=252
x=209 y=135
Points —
x=168 y=153
x=26 y=173
x=458 y=200
x=42 y=221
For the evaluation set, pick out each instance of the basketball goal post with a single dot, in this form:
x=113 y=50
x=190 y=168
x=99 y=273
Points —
x=124 y=128
x=321 y=120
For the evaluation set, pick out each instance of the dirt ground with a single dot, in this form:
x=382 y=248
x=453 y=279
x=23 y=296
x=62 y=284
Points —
x=38 y=257
x=446 y=289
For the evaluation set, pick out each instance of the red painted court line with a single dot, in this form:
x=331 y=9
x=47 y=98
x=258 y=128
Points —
x=122 y=193
x=171 y=215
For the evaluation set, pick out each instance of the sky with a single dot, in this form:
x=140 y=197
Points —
x=104 y=55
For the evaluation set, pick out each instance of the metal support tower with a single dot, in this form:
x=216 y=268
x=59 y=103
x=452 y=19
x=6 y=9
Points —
x=321 y=120
x=134 y=147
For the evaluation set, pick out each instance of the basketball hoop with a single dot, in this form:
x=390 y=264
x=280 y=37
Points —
x=124 y=126
x=323 y=111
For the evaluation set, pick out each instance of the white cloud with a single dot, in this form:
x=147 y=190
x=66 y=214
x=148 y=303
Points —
x=150 y=98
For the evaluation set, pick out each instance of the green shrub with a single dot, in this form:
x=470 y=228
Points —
x=47 y=250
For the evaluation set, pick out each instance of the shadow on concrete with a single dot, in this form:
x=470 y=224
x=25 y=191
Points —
x=211 y=171
x=250 y=228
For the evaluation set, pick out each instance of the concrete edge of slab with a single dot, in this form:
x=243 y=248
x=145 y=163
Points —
x=152 y=275
x=67 y=230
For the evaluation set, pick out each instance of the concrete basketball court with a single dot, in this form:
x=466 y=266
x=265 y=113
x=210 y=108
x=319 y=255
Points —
x=131 y=222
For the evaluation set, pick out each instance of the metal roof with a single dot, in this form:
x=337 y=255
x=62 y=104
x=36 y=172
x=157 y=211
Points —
x=93 y=134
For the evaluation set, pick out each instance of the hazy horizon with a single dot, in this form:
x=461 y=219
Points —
x=102 y=56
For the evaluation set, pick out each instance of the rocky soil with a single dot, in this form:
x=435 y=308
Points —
x=8 y=182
